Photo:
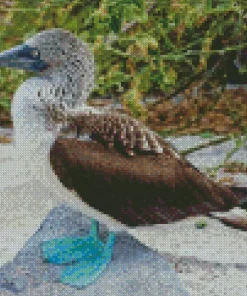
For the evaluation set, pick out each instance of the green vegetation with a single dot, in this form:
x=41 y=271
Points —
x=141 y=47
x=207 y=135
x=239 y=141
x=201 y=224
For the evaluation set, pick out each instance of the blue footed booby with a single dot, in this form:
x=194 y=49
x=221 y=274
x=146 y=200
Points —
x=125 y=177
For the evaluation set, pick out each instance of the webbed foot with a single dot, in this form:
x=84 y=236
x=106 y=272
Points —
x=87 y=256
x=72 y=249
x=86 y=271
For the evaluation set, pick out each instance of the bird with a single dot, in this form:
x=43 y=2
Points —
x=126 y=176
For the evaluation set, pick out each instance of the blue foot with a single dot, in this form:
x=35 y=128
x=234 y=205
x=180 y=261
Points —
x=73 y=249
x=87 y=270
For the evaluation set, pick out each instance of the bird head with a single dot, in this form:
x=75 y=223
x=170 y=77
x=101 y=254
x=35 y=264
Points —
x=59 y=55
x=47 y=49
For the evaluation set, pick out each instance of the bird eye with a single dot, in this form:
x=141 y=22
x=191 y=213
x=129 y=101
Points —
x=35 y=53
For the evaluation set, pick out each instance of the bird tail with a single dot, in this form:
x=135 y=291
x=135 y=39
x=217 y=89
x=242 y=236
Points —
x=237 y=216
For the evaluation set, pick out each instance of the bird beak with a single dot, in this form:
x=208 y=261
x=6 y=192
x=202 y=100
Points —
x=23 y=57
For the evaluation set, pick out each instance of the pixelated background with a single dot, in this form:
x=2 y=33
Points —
x=180 y=67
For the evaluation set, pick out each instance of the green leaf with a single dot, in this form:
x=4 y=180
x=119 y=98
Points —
x=207 y=135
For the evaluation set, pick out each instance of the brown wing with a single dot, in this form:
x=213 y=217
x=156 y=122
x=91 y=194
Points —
x=145 y=189
x=119 y=131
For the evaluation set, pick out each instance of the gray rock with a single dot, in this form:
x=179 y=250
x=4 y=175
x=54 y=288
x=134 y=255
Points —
x=134 y=270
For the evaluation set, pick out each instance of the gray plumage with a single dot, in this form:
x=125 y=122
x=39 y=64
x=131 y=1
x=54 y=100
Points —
x=70 y=80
